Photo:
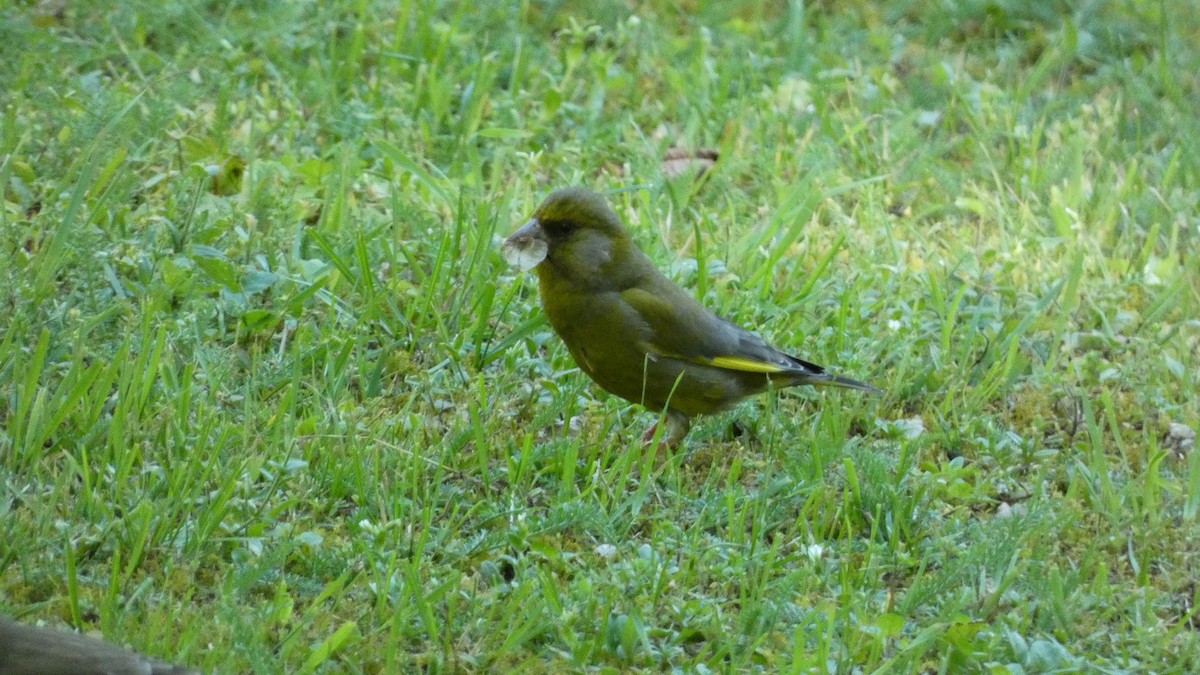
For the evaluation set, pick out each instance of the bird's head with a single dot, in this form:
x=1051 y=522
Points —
x=573 y=234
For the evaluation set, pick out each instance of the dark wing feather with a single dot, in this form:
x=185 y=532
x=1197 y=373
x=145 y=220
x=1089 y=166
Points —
x=678 y=327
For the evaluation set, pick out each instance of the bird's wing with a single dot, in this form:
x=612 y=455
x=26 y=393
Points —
x=678 y=327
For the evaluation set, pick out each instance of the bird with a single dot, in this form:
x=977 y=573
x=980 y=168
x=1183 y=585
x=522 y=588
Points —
x=31 y=650
x=632 y=330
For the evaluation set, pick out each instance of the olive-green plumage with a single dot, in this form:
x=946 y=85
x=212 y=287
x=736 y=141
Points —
x=632 y=330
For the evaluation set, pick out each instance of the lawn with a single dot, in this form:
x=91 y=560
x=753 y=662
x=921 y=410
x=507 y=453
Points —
x=271 y=400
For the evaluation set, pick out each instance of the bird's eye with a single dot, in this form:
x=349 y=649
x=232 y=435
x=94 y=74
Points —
x=556 y=228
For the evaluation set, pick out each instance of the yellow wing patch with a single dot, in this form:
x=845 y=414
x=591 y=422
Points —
x=747 y=365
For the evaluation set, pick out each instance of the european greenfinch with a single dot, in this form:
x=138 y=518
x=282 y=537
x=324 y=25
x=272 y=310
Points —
x=28 y=650
x=633 y=331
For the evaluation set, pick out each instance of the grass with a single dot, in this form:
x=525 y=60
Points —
x=270 y=399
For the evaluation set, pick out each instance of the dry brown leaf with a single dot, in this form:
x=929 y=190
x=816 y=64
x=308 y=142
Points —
x=679 y=161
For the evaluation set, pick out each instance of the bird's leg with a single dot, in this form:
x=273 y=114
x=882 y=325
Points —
x=678 y=425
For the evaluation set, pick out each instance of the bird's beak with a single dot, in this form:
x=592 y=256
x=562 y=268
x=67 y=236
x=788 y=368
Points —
x=527 y=247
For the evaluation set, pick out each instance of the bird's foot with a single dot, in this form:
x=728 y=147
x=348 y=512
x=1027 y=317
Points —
x=648 y=437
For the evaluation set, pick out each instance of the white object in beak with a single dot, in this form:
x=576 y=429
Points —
x=526 y=248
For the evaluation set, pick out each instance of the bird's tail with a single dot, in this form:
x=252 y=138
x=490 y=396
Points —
x=845 y=383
